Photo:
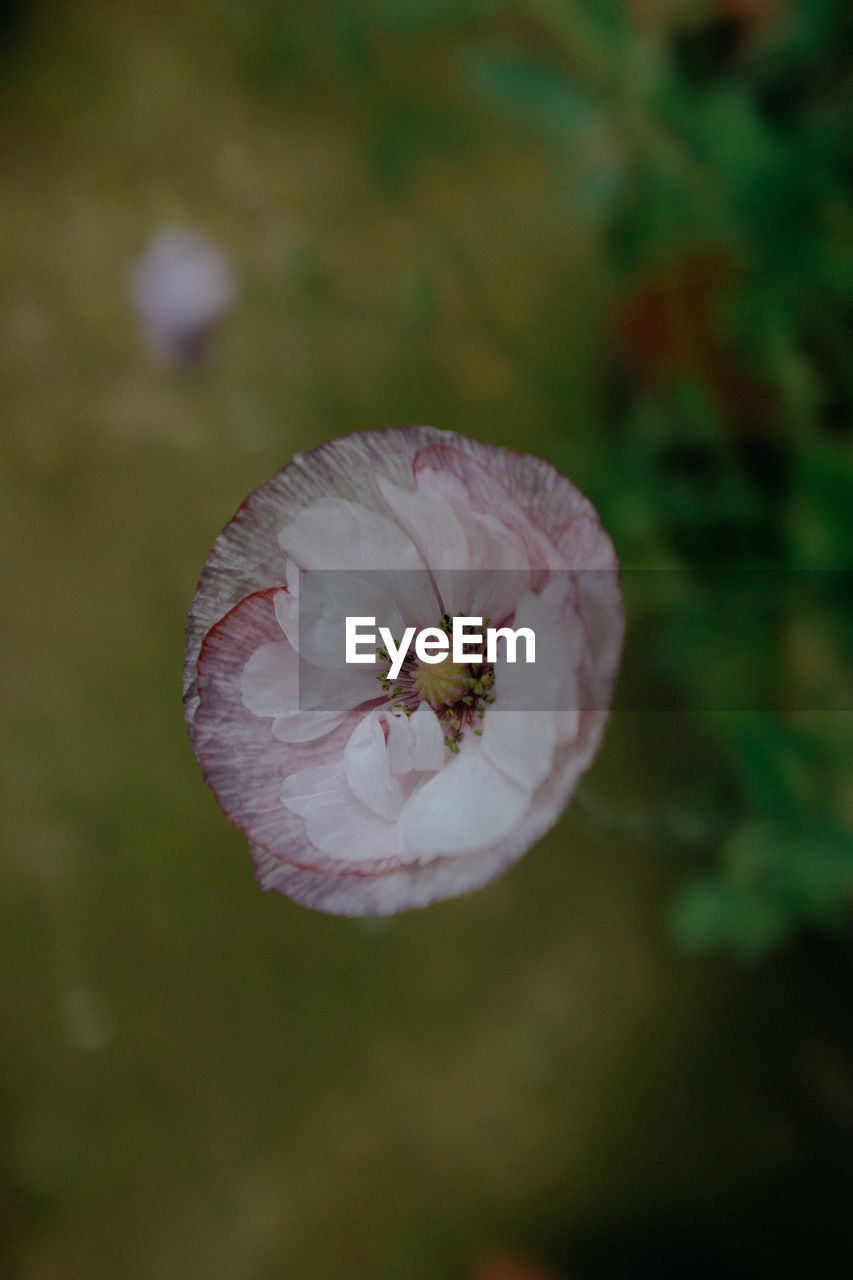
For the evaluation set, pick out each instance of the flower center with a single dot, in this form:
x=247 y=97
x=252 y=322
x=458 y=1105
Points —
x=440 y=683
x=457 y=692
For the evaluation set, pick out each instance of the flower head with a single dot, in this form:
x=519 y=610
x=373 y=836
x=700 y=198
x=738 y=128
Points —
x=180 y=289
x=416 y=772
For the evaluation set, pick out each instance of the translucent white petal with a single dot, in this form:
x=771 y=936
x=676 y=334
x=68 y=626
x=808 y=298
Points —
x=401 y=744
x=337 y=688
x=325 y=602
x=551 y=682
x=466 y=806
x=520 y=744
x=269 y=686
x=416 y=742
x=306 y=726
x=368 y=769
x=432 y=523
x=333 y=533
x=270 y=681
x=458 y=544
x=336 y=824
x=287 y=611
x=430 y=753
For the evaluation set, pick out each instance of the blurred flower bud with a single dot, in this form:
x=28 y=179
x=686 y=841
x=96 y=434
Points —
x=180 y=289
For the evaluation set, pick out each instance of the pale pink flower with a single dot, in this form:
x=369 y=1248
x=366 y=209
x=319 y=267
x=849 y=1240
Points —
x=180 y=289
x=368 y=797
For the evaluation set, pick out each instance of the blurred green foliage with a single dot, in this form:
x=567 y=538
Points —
x=710 y=143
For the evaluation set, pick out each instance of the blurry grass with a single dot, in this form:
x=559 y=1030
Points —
x=200 y=1081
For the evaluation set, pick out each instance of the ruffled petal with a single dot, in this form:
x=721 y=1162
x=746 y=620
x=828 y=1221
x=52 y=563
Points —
x=490 y=493
x=246 y=558
x=536 y=501
x=243 y=762
x=346 y=891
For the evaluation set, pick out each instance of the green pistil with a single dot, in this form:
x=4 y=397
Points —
x=441 y=683
x=457 y=692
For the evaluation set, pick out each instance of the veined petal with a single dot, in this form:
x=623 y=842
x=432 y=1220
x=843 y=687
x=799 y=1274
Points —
x=336 y=823
x=269 y=686
x=306 y=726
x=346 y=890
x=269 y=682
x=459 y=544
x=287 y=607
x=490 y=492
x=243 y=762
x=246 y=558
x=336 y=534
x=534 y=499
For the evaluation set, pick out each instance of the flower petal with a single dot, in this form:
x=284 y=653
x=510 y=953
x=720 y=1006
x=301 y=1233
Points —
x=401 y=743
x=535 y=499
x=337 y=534
x=491 y=493
x=468 y=805
x=416 y=742
x=520 y=744
x=367 y=766
x=335 y=687
x=306 y=726
x=336 y=823
x=326 y=600
x=243 y=762
x=246 y=557
x=348 y=891
x=551 y=682
x=459 y=544
x=428 y=739
x=268 y=684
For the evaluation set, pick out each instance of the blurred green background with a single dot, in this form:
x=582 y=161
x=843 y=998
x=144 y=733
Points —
x=616 y=233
